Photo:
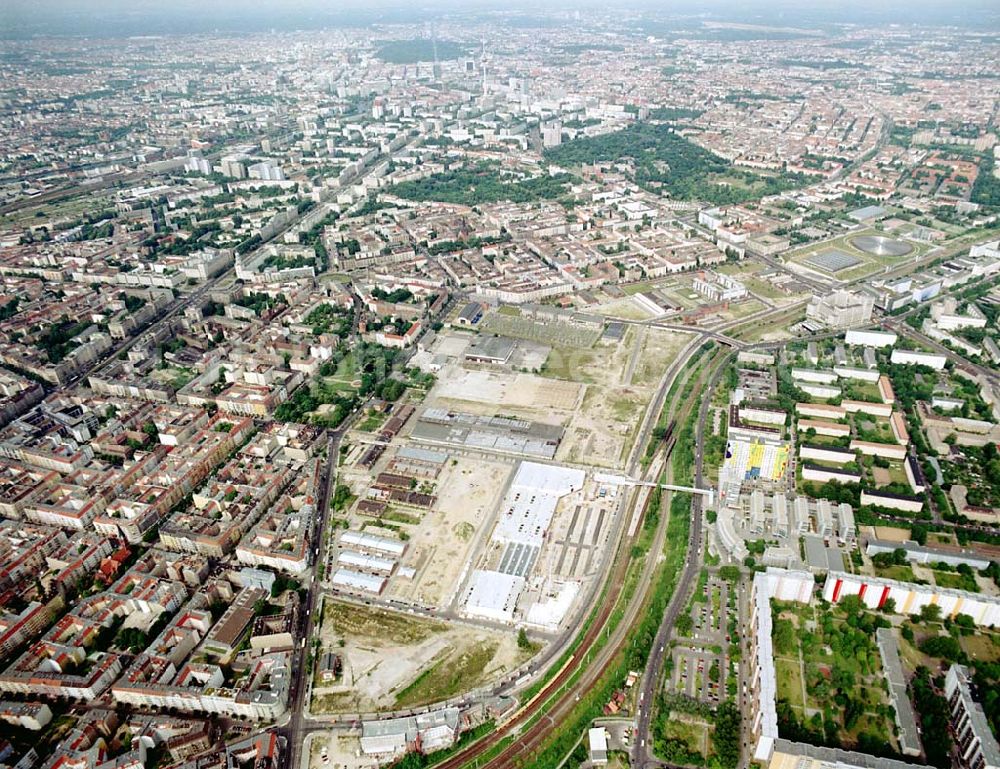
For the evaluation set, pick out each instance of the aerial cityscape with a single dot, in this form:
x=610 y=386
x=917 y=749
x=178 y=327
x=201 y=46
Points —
x=543 y=387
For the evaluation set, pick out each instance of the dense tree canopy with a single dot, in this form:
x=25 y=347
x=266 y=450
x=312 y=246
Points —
x=482 y=183
x=665 y=160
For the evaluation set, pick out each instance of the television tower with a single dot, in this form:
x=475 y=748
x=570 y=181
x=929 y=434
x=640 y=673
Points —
x=434 y=43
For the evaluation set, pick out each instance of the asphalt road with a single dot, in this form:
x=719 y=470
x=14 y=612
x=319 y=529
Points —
x=293 y=729
x=642 y=755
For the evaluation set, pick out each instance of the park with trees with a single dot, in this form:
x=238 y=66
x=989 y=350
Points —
x=666 y=161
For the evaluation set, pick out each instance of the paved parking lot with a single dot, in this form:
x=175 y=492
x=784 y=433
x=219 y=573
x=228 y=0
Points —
x=700 y=659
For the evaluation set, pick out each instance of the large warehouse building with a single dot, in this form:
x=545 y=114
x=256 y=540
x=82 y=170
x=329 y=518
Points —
x=524 y=519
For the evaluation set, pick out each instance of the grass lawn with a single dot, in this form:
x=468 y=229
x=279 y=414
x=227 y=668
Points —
x=872 y=429
x=774 y=326
x=68 y=209
x=902 y=573
x=862 y=391
x=625 y=409
x=956 y=581
x=347 y=369
x=982 y=646
x=910 y=655
x=839 y=659
x=450 y=675
x=638 y=288
x=372 y=421
x=175 y=376
x=822 y=440
x=896 y=472
x=789 y=682
x=766 y=290
x=568 y=363
x=684 y=296
x=741 y=270
x=743 y=309
x=685 y=728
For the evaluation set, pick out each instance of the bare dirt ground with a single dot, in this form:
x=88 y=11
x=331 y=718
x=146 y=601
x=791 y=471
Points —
x=620 y=380
x=526 y=393
x=341 y=751
x=393 y=659
x=442 y=544
x=626 y=308
x=660 y=347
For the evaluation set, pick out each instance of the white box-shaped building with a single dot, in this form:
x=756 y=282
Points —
x=814 y=375
x=824 y=474
x=868 y=407
x=871 y=338
x=355 y=580
x=820 y=410
x=786 y=586
x=819 y=390
x=827 y=454
x=885 y=450
x=832 y=429
x=862 y=374
x=362 y=541
x=911 y=358
x=892 y=501
x=354 y=560
x=493 y=595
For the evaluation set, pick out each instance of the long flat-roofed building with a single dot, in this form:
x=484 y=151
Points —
x=910 y=597
x=974 y=741
x=524 y=519
x=786 y=586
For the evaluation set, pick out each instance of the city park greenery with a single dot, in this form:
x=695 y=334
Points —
x=419 y=50
x=834 y=646
x=331 y=319
x=58 y=339
x=986 y=189
x=932 y=709
x=667 y=162
x=370 y=365
x=482 y=183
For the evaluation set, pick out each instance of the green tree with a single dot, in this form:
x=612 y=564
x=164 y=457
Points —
x=730 y=573
x=727 y=734
x=932 y=710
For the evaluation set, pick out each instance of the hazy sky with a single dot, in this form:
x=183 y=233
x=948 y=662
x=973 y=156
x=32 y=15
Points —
x=19 y=18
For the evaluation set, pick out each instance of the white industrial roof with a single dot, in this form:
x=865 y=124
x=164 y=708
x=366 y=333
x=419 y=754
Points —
x=371 y=542
x=357 y=581
x=493 y=595
x=598 y=738
x=549 y=612
x=362 y=561
x=532 y=499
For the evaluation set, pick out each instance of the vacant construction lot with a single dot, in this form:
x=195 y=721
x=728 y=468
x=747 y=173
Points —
x=620 y=379
x=441 y=546
x=393 y=659
x=504 y=390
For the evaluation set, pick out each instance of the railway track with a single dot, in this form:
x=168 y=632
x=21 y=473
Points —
x=527 y=711
x=556 y=700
